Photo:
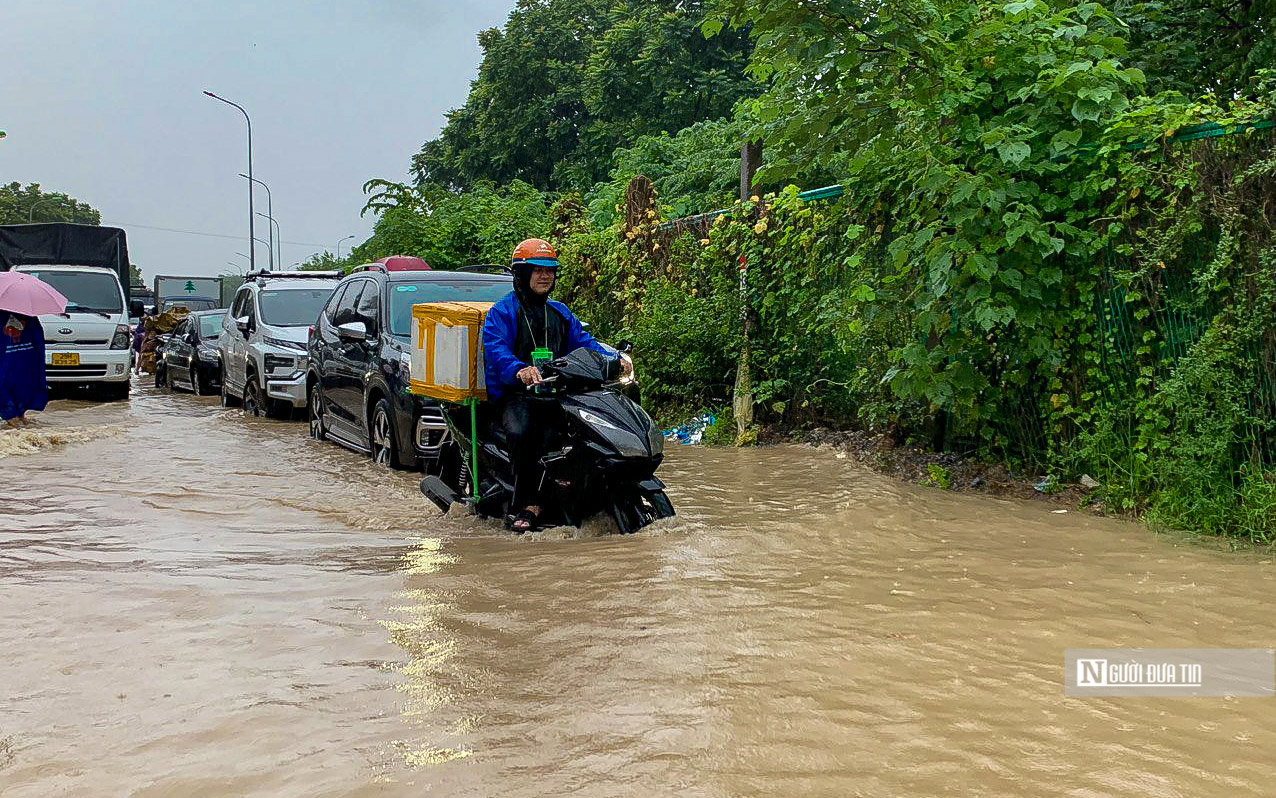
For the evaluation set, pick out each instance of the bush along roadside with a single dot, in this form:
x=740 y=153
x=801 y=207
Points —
x=1140 y=353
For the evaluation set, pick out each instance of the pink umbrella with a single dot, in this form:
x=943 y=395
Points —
x=30 y=296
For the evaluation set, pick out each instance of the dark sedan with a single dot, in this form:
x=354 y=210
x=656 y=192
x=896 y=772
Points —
x=189 y=358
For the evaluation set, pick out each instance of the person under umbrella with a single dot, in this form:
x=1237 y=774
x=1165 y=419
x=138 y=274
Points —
x=23 y=384
x=23 y=377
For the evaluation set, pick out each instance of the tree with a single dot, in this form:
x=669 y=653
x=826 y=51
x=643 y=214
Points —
x=568 y=81
x=20 y=205
x=1198 y=46
x=694 y=171
x=326 y=261
x=450 y=229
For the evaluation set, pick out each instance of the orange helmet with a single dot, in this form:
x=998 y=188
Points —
x=537 y=252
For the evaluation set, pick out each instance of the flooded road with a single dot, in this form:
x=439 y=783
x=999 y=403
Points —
x=195 y=603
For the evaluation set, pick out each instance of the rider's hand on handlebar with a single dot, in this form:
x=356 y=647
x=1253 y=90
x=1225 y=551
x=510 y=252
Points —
x=530 y=375
x=626 y=367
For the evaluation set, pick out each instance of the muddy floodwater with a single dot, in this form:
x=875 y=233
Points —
x=193 y=603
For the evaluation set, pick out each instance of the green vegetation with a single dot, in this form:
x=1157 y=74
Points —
x=24 y=205
x=1025 y=265
x=20 y=205
x=566 y=82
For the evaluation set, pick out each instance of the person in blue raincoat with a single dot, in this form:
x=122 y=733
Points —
x=23 y=383
x=524 y=330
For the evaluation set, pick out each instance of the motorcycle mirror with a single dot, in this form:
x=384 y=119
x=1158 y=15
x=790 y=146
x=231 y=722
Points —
x=626 y=346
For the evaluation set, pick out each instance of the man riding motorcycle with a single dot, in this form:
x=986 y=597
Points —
x=523 y=331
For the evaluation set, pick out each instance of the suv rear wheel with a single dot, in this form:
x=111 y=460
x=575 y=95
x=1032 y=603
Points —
x=385 y=450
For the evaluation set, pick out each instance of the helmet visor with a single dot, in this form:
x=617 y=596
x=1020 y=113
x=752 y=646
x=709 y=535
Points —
x=544 y=263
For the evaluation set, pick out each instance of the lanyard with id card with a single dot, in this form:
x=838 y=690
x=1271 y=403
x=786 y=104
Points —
x=541 y=355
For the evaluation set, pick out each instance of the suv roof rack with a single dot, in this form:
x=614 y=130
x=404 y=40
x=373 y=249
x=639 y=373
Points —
x=484 y=268
x=263 y=274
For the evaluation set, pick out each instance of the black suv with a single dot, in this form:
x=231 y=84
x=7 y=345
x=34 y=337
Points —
x=357 y=385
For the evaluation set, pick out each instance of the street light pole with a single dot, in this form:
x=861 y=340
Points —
x=347 y=238
x=38 y=203
x=252 y=246
x=277 y=238
x=270 y=214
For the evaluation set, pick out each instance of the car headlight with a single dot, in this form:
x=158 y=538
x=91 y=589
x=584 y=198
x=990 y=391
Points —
x=278 y=363
x=282 y=344
x=122 y=338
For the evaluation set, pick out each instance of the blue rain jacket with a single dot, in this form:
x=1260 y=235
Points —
x=500 y=331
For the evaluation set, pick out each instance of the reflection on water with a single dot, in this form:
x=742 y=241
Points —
x=419 y=631
x=198 y=603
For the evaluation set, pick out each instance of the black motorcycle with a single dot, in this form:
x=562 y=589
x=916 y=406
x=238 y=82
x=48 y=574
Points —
x=602 y=458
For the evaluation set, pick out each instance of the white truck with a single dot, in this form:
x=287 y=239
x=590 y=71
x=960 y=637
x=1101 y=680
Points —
x=91 y=343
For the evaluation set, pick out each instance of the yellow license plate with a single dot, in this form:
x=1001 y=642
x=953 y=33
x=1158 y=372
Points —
x=66 y=358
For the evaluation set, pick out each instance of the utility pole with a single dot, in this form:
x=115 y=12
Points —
x=742 y=396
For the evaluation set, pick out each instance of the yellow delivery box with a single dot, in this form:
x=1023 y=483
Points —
x=447 y=350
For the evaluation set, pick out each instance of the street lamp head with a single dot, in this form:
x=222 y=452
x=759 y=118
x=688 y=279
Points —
x=210 y=94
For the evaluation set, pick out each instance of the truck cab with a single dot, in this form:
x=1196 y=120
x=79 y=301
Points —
x=89 y=344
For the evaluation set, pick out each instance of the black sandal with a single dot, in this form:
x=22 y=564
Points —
x=526 y=516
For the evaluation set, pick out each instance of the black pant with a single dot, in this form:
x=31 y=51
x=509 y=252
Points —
x=529 y=424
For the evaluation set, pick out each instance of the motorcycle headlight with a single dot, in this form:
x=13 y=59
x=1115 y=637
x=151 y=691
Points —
x=596 y=420
x=123 y=337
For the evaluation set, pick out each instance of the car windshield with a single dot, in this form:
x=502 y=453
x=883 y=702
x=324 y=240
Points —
x=86 y=292
x=210 y=326
x=404 y=295
x=293 y=307
x=189 y=302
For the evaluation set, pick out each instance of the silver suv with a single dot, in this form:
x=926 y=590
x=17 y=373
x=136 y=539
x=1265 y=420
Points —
x=263 y=340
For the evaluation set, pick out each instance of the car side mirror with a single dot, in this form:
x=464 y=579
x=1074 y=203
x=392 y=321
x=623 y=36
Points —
x=625 y=347
x=353 y=331
x=244 y=324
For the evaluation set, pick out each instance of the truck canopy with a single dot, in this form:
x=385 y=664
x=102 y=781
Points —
x=64 y=244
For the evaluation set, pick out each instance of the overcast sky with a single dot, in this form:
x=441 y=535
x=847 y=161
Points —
x=102 y=101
